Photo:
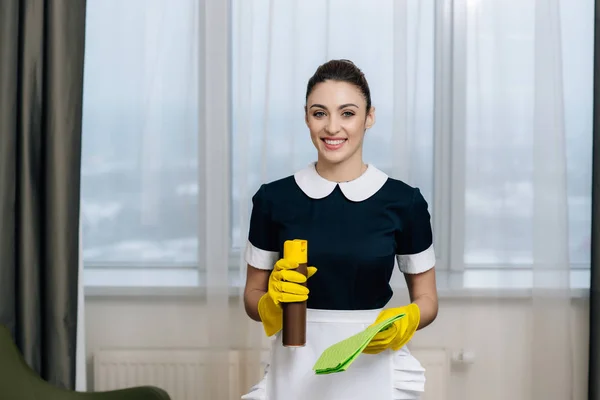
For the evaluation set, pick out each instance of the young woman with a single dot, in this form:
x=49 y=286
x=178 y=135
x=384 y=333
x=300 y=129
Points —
x=359 y=223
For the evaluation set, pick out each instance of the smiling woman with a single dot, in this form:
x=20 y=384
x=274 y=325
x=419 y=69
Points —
x=359 y=224
x=338 y=113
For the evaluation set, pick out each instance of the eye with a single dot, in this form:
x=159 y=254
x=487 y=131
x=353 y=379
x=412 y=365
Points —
x=318 y=114
x=347 y=113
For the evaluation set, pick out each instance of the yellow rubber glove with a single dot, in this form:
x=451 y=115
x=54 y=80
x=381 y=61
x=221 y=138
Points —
x=399 y=333
x=283 y=288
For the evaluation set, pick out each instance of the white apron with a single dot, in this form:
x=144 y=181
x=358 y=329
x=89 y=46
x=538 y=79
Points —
x=386 y=376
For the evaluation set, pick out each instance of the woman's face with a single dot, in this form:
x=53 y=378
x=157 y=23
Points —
x=337 y=118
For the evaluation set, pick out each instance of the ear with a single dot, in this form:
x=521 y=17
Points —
x=370 y=120
x=305 y=115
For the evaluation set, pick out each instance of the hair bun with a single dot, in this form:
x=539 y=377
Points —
x=341 y=70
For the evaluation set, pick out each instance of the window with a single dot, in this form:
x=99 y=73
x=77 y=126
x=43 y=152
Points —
x=501 y=150
x=140 y=165
x=452 y=83
x=515 y=177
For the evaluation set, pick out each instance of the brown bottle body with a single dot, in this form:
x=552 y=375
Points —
x=294 y=319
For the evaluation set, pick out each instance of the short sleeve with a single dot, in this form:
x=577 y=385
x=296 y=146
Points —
x=414 y=240
x=261 y=249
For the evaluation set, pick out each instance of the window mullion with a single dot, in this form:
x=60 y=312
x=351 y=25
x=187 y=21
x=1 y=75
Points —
x=449 y=134
x=458 y=137
x=214 y=141
x=442 y=131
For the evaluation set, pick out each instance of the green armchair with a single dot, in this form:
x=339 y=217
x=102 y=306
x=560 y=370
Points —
x=19 y=382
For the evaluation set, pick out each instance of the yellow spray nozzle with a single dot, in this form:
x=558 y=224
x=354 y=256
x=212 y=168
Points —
x=296 y=250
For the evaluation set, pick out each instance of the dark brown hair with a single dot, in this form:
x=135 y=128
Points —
x=341 y=71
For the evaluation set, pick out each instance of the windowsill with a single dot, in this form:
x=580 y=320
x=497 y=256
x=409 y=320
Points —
x=189 y=283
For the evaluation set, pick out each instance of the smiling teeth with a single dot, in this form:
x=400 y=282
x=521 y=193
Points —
x=334 y=142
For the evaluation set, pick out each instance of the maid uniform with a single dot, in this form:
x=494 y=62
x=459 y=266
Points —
x=357 y=232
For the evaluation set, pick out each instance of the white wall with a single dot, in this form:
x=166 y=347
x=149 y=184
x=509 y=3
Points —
x=497 y=330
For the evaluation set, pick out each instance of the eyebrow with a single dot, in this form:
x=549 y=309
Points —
x=339 y=108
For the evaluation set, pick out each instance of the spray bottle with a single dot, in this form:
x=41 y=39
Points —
x=294 y=314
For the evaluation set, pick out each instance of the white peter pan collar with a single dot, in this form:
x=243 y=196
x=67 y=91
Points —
x=359 y=189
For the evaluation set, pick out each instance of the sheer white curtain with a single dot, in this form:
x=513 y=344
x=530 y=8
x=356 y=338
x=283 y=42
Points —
x=155 y=197
x=526 y=179
x=485 y=105
x=141 y=196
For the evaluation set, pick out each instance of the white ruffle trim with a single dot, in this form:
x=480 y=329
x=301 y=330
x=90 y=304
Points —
x=408 y=379
x=409 y=376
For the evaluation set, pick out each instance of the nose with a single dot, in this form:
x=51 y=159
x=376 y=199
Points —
x=333 y=126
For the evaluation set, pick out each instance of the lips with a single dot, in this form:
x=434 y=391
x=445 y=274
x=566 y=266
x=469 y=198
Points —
x=334 y=144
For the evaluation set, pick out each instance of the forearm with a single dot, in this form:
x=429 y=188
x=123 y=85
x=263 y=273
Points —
x=428 y=307
x=257 y=281
x=423 y=292
x=251 y=298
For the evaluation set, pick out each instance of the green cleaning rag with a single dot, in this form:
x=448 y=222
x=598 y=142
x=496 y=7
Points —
x=339 y=356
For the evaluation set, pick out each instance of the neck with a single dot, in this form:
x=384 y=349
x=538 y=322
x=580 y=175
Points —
x=344 y=171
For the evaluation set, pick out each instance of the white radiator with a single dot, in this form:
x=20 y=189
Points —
x=186 y=374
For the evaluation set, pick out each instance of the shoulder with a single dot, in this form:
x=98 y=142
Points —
x=272 y=191
x=398 y=187
x=277 y=187
x=400 y=193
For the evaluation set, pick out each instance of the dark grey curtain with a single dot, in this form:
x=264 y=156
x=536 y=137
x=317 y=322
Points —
x=41 y=78
x=594 y=357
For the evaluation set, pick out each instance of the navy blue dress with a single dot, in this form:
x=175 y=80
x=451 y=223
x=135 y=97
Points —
x=357 y=232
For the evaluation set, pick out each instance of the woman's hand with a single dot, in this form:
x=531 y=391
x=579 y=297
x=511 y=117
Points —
x=421 y=312
x=399 y=333
x=284 y=285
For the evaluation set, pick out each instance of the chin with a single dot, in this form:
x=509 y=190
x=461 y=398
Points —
x=332 y=157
